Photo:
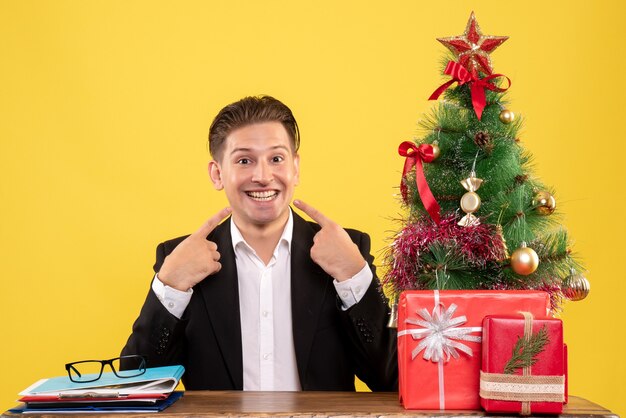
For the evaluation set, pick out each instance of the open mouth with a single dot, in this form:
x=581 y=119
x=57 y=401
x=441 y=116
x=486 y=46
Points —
x=263 y=196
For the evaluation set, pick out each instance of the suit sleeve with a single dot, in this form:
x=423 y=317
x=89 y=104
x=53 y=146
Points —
x=374 y=344
x=157 y=334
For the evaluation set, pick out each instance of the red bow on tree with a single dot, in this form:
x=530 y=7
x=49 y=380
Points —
x=477 y=85
x=414 y=157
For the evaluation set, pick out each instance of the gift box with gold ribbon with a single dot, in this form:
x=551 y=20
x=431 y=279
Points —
x=524 y=365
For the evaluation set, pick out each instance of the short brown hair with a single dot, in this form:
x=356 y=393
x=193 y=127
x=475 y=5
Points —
x=247 y=111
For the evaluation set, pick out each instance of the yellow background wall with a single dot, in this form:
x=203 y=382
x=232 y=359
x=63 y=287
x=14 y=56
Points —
x=105 y=107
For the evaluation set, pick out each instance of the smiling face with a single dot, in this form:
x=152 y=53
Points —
x=258 y=170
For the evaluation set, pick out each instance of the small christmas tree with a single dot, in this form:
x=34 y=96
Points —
x=478 y=218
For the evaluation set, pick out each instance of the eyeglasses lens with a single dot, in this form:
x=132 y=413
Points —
x=130 y=366
x=85 y=371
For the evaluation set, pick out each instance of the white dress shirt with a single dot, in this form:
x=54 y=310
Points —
x=269 y=359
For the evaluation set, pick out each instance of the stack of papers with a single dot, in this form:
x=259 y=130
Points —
x=149 y=392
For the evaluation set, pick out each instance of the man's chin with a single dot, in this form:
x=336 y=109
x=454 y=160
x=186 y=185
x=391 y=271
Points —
x=267 y=217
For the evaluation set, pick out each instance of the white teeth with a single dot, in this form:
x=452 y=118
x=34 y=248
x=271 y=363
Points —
x=264 y=195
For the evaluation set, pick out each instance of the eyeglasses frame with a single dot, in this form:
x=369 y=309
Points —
x=141 y=370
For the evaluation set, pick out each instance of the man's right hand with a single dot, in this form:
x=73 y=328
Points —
x=193 y=259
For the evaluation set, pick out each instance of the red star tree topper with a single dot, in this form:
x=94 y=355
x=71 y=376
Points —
x=473 y=48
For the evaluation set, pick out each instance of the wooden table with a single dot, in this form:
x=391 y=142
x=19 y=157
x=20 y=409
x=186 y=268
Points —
x=202 y=404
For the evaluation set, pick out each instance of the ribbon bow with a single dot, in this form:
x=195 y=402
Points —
x=414 y=157
x=439 y=332
x=477 y=85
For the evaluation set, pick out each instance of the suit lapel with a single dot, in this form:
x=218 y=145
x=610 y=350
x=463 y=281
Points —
x=308 y=289
x=220 y=293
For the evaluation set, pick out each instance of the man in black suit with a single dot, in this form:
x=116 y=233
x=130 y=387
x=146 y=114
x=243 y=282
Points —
x=266 y=300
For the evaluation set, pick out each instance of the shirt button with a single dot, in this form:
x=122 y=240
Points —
x=265 y=314
x=171 y=304
x=266 y=356
x=358 y=289
x=344 y=295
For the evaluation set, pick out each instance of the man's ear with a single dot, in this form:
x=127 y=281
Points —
x=296 y=164
x=215 y=172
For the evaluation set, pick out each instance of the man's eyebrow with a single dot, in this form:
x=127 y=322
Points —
x=243 y=149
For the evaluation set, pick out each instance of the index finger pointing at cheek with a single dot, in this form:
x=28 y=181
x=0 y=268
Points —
x=212 y=222
x=313 y=213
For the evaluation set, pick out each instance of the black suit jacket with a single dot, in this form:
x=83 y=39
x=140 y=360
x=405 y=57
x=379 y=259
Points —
x=331 y=345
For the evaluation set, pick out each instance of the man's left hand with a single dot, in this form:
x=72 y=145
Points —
x=333 y=250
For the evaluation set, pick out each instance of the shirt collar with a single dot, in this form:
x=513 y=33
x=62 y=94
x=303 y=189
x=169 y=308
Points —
x=237 y=238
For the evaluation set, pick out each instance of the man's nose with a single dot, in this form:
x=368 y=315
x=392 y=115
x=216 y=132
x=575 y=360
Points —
x=262 y=173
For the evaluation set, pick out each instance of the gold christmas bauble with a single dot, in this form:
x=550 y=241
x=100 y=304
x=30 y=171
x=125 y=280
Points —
x=575 y=287
x=506 y=116
x=470 y=202
x=524 y=260
x=436 y=150
x=544 y=203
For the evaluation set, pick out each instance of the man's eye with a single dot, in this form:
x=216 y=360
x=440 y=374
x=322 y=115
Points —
x=277 y=159
x=243 y=161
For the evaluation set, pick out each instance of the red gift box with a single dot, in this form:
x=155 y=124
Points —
x=537 y=388
x=439 y=349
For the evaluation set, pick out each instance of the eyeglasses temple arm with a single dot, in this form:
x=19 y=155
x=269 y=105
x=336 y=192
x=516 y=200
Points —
x=70 y=366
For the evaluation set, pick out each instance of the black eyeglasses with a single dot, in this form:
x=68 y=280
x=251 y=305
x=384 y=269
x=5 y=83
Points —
x=91 y=370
